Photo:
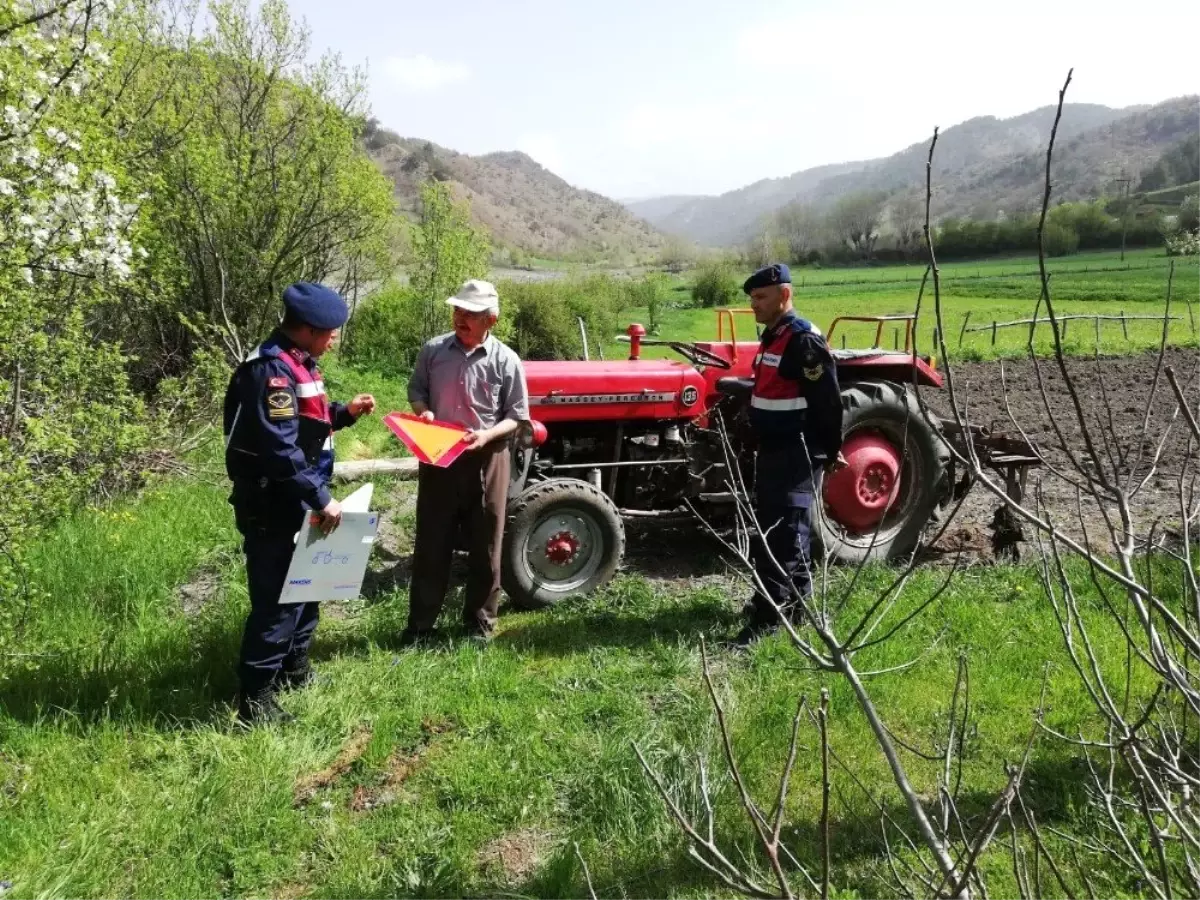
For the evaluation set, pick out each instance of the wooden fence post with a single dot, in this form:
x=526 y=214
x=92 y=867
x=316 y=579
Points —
x=962 y=331
x=993 y=332
x=1097 y=321
x=895 y=338
x=1124 y=326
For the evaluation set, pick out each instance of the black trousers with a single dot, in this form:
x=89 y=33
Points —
x=784 y=494
x=275 y=633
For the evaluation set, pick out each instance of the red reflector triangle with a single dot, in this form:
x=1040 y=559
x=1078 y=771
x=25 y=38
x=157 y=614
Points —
x=436 y=443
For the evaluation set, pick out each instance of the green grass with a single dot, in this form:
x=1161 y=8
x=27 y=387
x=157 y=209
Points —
x=997 y=290
x=121 y=772
x=369 y=438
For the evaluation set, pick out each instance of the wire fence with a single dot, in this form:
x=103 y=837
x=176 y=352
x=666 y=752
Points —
x=996 y=326
x=951 y=275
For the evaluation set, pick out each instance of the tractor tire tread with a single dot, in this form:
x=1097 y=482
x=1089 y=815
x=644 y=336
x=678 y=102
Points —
x=522 y=595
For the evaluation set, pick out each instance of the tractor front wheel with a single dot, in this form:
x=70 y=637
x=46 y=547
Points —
x=897 y=480
x=564 y=538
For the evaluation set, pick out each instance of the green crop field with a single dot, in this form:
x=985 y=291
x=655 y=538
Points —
x=1000 y=291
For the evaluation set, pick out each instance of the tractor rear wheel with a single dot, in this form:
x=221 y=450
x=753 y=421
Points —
x=897 y=480
x=564 y=538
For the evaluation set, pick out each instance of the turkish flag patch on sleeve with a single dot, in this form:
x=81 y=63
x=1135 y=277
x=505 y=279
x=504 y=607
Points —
x=279 y=381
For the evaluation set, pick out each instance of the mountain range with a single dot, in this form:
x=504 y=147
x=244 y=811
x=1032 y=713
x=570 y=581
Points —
x=982 y=167
x=524 y=206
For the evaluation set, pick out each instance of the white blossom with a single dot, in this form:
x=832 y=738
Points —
x=6 y=188
x=12 y=118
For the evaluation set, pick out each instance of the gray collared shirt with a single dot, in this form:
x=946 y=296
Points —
x=476 y=389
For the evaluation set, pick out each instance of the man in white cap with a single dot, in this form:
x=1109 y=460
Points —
x=471 y=379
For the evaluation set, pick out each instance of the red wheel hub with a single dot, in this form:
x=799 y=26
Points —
x=858 y=495
x=562 y=547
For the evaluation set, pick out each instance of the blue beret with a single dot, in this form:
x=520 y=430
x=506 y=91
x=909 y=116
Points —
x=776 y=273
x=316 y=305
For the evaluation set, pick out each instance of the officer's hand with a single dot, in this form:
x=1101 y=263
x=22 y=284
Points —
x=363 y=403
x=427 y=415
x=331 y=517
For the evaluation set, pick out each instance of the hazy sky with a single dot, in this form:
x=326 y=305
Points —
x=634 y=98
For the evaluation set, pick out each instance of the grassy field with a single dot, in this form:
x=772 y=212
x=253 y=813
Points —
x=998 y=290
x=455 y=770
x=452 y=771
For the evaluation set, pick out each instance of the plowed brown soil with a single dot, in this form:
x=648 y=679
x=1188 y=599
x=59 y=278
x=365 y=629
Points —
x=1123 y=413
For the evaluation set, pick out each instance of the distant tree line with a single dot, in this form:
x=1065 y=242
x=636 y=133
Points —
x=877 y=227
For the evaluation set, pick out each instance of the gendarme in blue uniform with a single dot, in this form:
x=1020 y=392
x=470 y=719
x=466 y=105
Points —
x=796 y=414
x=278 y=428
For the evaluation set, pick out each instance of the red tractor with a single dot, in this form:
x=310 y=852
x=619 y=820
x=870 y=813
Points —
x=637 y=438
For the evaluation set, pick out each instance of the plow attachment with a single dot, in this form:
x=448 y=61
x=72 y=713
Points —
x=1011 y=456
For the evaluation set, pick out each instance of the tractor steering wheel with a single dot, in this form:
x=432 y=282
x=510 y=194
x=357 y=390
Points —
x=700 y=357
x=695 y=355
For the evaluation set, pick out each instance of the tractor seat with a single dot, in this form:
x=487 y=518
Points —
x=735 y=387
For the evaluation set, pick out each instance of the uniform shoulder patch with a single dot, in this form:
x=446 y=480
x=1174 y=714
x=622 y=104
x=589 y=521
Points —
x=278 y=381
x=281 y=404
x=814 y=373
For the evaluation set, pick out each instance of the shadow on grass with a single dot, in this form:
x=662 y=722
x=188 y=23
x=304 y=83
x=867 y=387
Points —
x=560 y=875
x=565 y=633
x=859 y=854
x=181 y=680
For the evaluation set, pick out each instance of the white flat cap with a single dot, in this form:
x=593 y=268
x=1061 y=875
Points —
x=476 y=296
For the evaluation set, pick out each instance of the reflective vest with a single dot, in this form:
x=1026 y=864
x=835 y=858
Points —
x=315 y=439
x=777 y=404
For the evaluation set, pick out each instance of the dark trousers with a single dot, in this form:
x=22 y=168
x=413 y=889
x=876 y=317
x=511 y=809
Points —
x=783 y=505
x=276 y=633
x=470 y=493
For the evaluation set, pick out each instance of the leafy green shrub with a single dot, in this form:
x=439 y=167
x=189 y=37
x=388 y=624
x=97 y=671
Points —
x=716 y=285
x=385 y=331
x=540 y=324
x=1059 y=240
x=541 y=320
x=651 y=292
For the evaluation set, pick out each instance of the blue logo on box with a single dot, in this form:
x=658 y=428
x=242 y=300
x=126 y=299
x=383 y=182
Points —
x=300 y=581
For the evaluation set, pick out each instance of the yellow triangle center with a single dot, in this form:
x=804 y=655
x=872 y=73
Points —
x=434 y=440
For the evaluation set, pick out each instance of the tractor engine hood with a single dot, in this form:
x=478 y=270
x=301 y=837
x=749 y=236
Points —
x=640 y=389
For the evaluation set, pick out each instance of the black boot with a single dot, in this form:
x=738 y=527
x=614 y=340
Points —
x=258 y=706
x=297 y=672
x=755 y=630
